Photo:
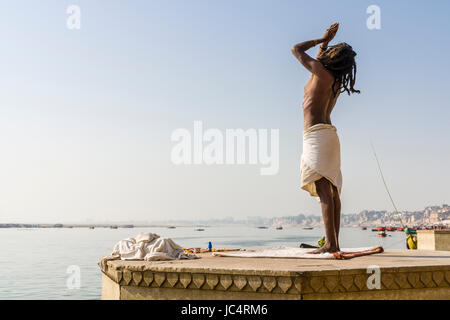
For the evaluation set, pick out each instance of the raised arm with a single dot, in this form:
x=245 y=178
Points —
x=313 y=66
x=299 y=51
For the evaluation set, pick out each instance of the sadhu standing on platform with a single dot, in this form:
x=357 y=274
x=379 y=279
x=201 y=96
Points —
x=333 y=72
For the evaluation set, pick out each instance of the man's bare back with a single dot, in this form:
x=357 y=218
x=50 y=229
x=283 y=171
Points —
x=319 y=100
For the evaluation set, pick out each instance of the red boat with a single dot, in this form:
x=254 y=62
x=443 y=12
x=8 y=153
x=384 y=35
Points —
x=380 y=228
x=382 y=234
x=400 y=229
x=391 y=229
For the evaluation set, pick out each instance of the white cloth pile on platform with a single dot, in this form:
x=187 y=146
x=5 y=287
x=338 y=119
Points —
x=285 y=252
x=148 y=247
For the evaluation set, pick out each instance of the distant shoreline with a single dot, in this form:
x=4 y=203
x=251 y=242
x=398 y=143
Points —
x=93 y=225
x=431 y=215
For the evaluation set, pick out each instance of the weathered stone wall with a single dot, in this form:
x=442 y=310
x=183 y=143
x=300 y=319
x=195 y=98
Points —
x=422 y=282
x=438 y=240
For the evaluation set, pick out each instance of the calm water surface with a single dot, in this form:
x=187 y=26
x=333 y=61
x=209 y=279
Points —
x=34 y=262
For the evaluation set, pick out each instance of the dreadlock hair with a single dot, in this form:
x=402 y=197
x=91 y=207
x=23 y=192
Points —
x=340 y=61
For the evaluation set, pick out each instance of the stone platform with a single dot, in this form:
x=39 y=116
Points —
x=433 y=240
x=414 y=274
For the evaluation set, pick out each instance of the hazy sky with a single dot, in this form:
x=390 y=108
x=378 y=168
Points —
x=86 y=116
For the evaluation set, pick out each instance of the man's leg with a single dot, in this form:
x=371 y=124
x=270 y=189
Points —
x=337 y=214
x=324 y=190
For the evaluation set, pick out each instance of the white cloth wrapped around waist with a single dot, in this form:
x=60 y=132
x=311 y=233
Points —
x=321 y=157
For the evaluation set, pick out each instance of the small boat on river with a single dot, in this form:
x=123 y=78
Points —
x=382 y=234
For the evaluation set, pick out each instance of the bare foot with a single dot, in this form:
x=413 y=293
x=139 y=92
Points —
x=325 y=248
